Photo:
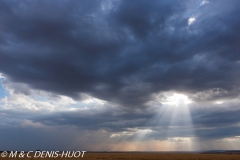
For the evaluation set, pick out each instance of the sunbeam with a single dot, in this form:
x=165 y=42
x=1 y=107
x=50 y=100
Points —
x=180 y=122
x=140 y=137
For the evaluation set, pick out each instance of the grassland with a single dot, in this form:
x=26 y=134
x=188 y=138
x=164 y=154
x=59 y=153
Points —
x=147 y=156
x=159 y=156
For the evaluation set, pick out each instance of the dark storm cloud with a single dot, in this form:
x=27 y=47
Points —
x=29 y=138
x=143 y=18
x=214 y=121
x=204 y=121
x=112 y=120
x=95 y=125
x=121 y=52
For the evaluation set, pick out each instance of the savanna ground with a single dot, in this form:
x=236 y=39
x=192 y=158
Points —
x=146 y=156
x=159 y=156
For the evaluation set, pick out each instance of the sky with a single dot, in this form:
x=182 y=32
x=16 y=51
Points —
x=120 y=75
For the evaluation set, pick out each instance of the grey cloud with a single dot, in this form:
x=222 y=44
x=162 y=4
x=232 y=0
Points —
x=203 y=121
x=123 y=55
x=30 y=138
x=206 y=121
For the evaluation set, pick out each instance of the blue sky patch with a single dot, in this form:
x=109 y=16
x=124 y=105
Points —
x=3 y=92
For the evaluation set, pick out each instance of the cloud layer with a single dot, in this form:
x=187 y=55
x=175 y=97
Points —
x=108 y=66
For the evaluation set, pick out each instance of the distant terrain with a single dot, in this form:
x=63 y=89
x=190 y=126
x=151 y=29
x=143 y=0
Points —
x=206 y=155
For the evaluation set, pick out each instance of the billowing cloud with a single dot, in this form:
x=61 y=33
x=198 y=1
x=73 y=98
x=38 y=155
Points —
x=121 y=69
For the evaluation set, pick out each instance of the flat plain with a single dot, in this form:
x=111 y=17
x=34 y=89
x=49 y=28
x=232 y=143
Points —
x=159 y=156
x=146 y=156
